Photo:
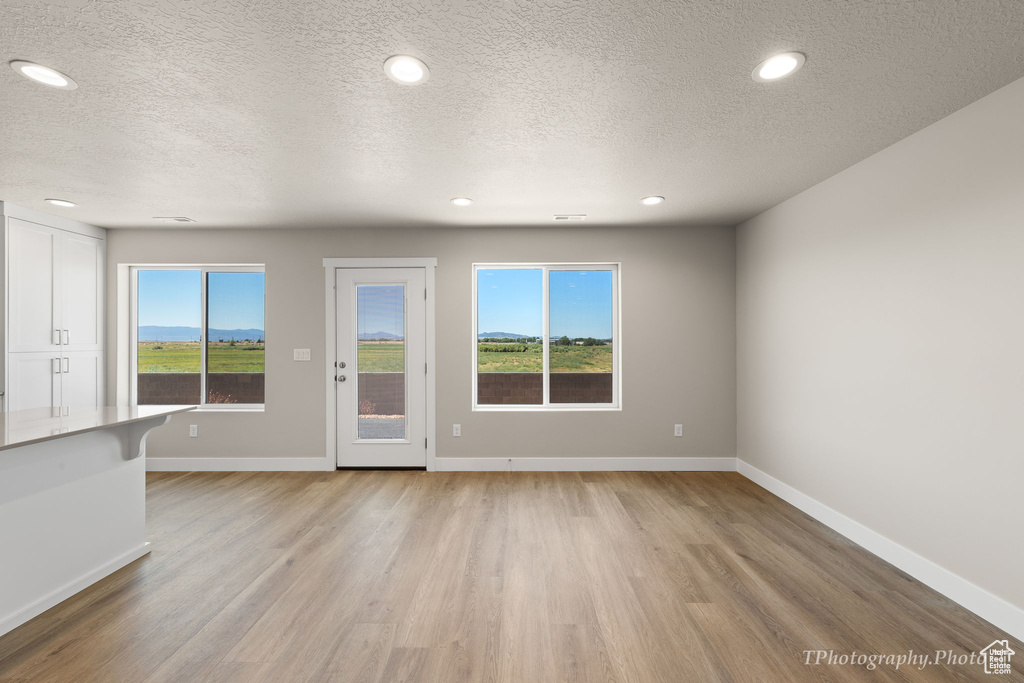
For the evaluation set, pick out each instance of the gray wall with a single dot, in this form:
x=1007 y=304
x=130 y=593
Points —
x=678 y=319
x=881 y=342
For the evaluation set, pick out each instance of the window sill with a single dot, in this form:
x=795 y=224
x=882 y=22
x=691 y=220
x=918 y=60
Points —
x=544 y=409
x=208 y=409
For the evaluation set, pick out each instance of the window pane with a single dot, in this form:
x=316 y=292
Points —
x=169 y=328
x=380 y=324
x=510 y=354
x=235 y=340
x=581 y=336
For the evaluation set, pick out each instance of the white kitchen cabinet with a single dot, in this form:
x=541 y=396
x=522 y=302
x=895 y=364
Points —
x=81 y=275
x=33 y=277
x=46 y=380
x=33 y=381
x=82 y=379
x=53 y=310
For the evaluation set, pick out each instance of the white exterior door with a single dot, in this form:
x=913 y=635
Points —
x=381 y=374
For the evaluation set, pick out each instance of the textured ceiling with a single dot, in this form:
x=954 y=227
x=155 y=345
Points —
x=260 y=113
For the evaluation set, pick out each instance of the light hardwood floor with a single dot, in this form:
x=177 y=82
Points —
x=414 y=576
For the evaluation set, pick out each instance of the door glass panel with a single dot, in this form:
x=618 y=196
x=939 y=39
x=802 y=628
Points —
x=380 y=326
x=581 y=336
x=509 y=336
x=235 y=345
x=169 y=327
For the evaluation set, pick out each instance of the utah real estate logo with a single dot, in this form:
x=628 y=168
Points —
x=996 y=657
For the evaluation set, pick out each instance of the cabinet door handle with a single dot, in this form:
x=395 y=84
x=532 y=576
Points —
x=67 y=337
x=67 y=365
x=56 y=337
x=56 y=366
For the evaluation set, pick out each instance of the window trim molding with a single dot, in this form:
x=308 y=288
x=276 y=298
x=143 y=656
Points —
x=131 y=282
x=546 y=267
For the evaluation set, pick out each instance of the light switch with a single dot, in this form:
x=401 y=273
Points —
x=300 y=354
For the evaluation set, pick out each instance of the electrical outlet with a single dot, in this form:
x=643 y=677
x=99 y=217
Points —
x=300 y=354
x=679 y=430
x=193 y=431
x=456 y=430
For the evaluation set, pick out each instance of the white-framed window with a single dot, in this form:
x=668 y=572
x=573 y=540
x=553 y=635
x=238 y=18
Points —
x=198 y=335
x=546 y=336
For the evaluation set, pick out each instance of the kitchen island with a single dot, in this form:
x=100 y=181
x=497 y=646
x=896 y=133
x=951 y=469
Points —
x=72 y=500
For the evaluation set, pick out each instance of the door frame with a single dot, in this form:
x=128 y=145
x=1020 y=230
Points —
x=429 y=265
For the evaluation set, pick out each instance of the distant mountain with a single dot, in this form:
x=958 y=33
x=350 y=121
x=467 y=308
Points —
x=379 y=335
x=237 y=335
x=171 y=334
x=503 y=335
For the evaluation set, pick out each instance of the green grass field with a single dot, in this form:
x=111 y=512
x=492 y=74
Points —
x=381 y=356
x=184 y=357
x=389 y=357
x=373 y=357
x=581 y=359
x=563 y=359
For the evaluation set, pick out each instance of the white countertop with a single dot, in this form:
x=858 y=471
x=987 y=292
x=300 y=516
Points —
x=23 y=427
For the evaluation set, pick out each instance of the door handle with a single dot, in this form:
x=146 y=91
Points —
x=67 y=337
x=56 y=366
x=56 y=337
x=67 y=365
x=340 y=378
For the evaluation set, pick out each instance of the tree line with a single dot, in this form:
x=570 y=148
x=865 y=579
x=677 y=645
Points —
x=520 y=345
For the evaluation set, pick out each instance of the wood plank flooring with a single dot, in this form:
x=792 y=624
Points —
x=415 y=576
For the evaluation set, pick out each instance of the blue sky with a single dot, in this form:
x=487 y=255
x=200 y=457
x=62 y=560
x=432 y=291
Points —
x=381 y=309
x=510 y=300
x=236 y=300
x=581 y=303
x=172 y=298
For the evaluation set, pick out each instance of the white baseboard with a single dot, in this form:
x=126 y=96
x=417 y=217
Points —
x=654 y=464
x=13 y=621
x=238 y=465
x=958 y=589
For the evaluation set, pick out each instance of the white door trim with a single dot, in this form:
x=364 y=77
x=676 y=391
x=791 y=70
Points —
x=331 y=348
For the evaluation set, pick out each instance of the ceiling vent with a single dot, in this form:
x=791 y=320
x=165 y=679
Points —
x=174 y=219
x=570 y=216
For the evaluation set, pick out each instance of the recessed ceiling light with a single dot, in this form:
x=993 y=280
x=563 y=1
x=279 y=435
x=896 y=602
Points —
x=652 y=200
x=462 y=201
x=406 y=70
x=61 y=202
x=43 y=74
x=778 y=66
